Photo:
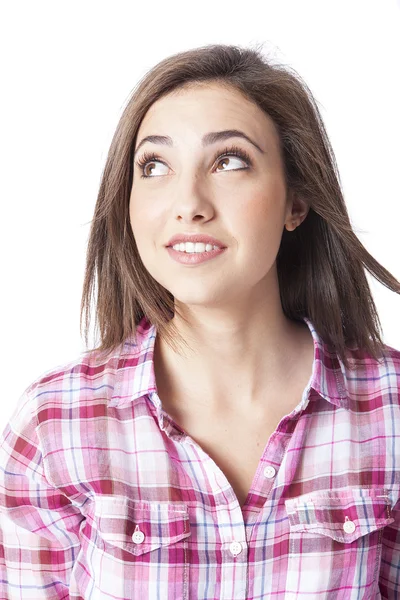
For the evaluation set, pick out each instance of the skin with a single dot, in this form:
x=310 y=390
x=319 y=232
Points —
x=244 y=350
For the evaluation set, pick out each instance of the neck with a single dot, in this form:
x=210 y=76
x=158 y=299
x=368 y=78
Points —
x=234 y=358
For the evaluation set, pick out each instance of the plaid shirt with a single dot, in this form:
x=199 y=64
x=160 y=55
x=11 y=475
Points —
x=102 y=496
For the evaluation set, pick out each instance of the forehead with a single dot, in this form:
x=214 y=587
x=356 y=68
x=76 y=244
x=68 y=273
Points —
x=203 y=107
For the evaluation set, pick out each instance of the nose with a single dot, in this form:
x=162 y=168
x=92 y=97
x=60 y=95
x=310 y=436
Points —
x=192 y=200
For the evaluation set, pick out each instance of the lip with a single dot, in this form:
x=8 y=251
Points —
x=194 y=237
x=194 y=258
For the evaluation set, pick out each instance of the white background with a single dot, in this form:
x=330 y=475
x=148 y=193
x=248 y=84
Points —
x=67 y=71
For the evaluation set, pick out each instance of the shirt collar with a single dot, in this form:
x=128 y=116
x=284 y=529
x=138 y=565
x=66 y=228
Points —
x=135 y=377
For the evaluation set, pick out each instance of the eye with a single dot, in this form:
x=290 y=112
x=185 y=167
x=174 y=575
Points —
x=228 y=160
x=147 y=162
x=231 y=155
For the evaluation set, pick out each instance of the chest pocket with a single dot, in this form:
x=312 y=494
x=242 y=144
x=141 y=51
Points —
x=141 y=548
x=335 y=541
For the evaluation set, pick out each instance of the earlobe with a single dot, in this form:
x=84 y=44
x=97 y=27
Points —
x=298 y=211
x=291 y=226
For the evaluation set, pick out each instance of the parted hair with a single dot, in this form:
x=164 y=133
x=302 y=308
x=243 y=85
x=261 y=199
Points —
x=321 y=264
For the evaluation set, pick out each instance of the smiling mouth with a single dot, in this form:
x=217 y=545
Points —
x=194 y=247
x=194 y=258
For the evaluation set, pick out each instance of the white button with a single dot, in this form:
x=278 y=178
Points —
x=349 y=526
x=269 y=472
x=138 y=537
x=235 y=548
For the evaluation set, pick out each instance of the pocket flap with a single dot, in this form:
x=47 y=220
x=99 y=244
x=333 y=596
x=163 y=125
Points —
x=156 y=523
x=343 y=514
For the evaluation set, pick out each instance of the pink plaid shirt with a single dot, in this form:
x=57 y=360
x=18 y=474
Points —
x=102 y=496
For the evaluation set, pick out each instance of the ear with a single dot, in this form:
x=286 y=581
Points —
x=296 y=210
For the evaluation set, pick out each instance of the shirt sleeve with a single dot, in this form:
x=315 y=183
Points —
x=389 y=579
x=39 y=525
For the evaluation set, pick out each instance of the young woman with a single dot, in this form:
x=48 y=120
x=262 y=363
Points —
x=236 y=432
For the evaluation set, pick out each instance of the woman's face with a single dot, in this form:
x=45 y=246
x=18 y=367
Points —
x=194 y=187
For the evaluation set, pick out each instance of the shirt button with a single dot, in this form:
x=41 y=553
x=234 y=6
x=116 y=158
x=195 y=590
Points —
x=349 y=526
x=138 y=537
x=269 y=472
x=235 y=548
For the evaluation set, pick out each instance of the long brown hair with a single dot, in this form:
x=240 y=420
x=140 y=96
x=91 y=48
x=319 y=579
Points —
x=320 y=264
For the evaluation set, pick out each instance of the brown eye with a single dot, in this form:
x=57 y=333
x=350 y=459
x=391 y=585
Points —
x=227 y=162
x=148 y=165
x=147 y=169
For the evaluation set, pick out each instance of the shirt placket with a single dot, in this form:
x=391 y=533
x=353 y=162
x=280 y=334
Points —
x=232 y=533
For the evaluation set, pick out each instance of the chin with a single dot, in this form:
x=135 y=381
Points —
x=193 y=295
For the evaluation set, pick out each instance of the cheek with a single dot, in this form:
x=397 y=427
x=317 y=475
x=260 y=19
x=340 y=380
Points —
x=142 y=220
x=260 y=219
x=148 y=210
x=146 y=226
x=141 y=233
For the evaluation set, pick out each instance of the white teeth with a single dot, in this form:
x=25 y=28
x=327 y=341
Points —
x=191 y=247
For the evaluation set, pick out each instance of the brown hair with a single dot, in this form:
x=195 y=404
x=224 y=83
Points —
x=320 y=264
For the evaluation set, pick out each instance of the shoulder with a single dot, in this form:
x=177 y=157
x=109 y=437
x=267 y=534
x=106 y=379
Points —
x=68 y=385
x=393 y=354
x=88 y=383
x=374 y=383
x=90 y=378
x=89 y=368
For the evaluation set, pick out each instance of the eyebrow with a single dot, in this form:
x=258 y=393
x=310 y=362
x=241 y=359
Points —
x=207 y=139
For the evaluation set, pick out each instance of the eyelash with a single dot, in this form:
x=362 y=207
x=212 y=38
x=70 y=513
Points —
x=229 y=151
